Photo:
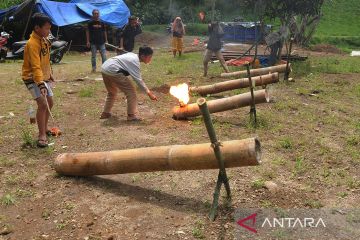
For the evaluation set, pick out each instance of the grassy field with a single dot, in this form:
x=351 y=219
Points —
x=339 y=25
x=310 y=136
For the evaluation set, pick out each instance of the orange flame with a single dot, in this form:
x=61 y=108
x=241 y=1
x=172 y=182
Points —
x=181 y=92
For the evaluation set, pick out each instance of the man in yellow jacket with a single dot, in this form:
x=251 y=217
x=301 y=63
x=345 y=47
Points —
x=36 y=72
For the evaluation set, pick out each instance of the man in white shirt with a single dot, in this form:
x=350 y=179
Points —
x=115 y=72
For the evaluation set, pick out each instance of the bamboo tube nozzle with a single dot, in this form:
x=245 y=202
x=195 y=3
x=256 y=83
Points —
x=220 y=105
x=235 y=84
x=236 y=153
x=259 y=71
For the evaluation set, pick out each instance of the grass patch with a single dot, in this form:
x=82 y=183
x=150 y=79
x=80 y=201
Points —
x=279 y=161
x=299 y=166
x=266 y=204
x=87 y=92
x=198 y=230
x=335 y=64
x=286 y=143
x=258 y=183
x=8 y=200
x=5 y=162
x=301 y=69
x=313 y=203
x=24 y=193
x=342 y=194
x=26 y=136
x=352 y=183
x=12 y=180
x=353 y=140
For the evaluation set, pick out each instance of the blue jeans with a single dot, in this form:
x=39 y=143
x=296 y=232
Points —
x=94 y=48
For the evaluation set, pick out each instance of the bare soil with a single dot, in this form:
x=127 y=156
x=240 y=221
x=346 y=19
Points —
x=305 y=134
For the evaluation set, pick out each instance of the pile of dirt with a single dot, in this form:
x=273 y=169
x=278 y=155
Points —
x=165 y=88
x=328 y=48
x=153 y=39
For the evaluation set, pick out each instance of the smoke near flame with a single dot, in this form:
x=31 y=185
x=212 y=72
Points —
x=181 y=92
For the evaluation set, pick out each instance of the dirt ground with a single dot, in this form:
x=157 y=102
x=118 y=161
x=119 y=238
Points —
x=309 y=134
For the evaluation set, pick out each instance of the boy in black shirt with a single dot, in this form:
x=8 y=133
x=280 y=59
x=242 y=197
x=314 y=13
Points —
x=96 y=38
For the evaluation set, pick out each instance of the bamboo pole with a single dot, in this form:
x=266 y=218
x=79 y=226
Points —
x=220 y=105
x=235 y=84
x=222 y=177
x=236 y=153
x=287 y=71
x=257 y=72
x=251 y=86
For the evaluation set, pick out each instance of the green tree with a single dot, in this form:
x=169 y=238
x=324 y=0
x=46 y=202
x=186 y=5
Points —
x=300 y=17
x=8 y=3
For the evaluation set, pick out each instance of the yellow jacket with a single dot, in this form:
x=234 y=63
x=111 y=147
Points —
x=36 y=64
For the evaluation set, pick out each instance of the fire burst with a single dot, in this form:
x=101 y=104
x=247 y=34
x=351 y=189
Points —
x=181 y=92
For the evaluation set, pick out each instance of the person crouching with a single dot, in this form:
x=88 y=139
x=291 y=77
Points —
x=115 y=72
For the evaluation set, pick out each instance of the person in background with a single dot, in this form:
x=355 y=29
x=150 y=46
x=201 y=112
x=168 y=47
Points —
x=178 y=31
x=213 y=46
x=115 y=72
x=36 y=72
x=96 y=38
x=127 y=37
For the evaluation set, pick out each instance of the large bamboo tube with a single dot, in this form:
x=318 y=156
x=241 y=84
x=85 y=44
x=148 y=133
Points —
x=220 y=105
x=235 y=84
x=236 y=153
x=257 y=72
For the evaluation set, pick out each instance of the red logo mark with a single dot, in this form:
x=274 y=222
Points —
x=251 y=217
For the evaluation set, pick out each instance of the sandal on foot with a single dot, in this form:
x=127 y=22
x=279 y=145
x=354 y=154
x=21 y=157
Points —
x=105 y=115
x=42 y=143
x=134 y=119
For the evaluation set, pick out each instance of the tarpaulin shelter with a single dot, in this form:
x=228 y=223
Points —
x=62 y=14
x=114 y=13
x=244 y=32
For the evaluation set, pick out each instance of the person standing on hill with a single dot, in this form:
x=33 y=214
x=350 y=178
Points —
x=131 y=30
x=178 y=31
x=213 y=46
x=96 y=38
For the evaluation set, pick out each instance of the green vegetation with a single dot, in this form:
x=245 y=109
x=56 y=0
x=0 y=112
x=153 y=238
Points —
x=286 y=143
x=198 y=229
x=8 y=199
x=339 y=27
x=258 y=183
x=87 y=92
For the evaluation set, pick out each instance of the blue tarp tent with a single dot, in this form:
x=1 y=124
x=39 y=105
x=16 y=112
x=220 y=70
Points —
x=244 y=32
x=112 y=12
x=61 y=14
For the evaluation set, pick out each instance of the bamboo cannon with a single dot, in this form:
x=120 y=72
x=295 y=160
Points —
x=220 y=105
x=235 y=84
x=236 y=153
x=259 y=71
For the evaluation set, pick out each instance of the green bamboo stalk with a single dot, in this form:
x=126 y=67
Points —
x=216 y=196
x=251 y=85
x=222 y=177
